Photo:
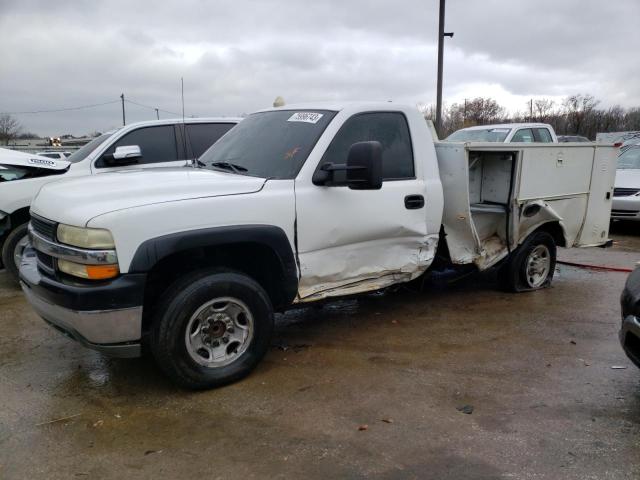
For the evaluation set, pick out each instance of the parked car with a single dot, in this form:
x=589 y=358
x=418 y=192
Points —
x=506 y=133
x=158 y=143
x=626 y=195
x=54 y=154
x=572 y=138
x=630 y=330
x=295 y=205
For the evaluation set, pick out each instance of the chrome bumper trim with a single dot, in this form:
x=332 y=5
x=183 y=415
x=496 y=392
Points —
x=72 y=254
x=106 y=327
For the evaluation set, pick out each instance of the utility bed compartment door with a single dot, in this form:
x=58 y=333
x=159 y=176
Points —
x=596 y=225
x=575 y=182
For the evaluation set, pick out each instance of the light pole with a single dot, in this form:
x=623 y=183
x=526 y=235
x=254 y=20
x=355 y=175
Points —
x=441 y=35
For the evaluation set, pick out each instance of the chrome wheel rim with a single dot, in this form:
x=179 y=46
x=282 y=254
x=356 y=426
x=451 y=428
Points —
x=219 y=332
x=19 y=250
x=538 y=266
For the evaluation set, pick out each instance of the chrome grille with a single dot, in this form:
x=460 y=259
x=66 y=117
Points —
x=44 y=227
x=625 y=192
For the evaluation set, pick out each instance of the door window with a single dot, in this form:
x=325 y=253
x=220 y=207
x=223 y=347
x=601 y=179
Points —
x=203 y=135
x=388 y=128
x=523 y=135
x=158 y=144
x=543 y=135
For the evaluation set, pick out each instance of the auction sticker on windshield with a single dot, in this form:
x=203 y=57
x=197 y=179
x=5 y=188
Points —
x=306 y=117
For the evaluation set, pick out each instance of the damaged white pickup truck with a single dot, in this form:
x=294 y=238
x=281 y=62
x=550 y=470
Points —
x=294 y=205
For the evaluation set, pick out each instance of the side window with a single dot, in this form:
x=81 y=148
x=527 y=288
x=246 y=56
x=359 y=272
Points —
x=543 y=135
x=203 y=135
x=524 y=135
x=388 y=128
x=158 y=144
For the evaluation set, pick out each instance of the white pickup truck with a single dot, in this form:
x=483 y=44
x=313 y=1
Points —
x=297 y=204
x=160 y=143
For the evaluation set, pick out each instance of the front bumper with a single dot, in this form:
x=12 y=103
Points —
x=105 y=316
x=626 y=208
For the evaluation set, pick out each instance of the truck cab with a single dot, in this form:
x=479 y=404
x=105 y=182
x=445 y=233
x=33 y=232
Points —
x=294 y=205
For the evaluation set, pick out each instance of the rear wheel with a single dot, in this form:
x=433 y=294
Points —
x=211 y=329
x=531 y=266
x=12 y=250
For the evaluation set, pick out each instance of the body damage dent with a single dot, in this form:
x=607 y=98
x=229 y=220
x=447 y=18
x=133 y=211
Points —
x=344 y=281
x=546 y=214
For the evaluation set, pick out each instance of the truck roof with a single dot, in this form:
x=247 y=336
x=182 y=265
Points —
x=338 y=106
x=167 y=121
x=506 y=125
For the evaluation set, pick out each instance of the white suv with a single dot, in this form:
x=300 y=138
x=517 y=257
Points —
x=158 y=143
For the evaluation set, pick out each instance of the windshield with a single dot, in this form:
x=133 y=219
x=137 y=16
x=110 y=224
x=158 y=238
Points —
x=630 y=159
x=11 y=172
x=483 y=135
x=272 y=144
x=84 y=152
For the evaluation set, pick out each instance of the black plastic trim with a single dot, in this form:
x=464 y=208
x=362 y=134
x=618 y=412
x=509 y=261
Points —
x=153 y=250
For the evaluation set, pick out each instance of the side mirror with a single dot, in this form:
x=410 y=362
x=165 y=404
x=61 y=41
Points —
x=363 y=168
x=125 y=155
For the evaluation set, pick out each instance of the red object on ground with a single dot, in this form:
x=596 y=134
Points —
x=596 y=267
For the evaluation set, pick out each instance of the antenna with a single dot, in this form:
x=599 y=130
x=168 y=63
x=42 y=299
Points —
x=184 y=128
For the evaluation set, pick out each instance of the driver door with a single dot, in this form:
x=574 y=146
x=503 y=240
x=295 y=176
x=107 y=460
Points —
x=351 y=241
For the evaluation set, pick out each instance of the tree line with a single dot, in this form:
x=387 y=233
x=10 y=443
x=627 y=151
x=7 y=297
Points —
x=575 y=115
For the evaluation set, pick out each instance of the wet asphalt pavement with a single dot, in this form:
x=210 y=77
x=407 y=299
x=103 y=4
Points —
x=355 y=388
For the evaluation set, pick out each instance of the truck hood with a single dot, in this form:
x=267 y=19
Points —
x=627 y=178
x=77 y=200
x=21 y=159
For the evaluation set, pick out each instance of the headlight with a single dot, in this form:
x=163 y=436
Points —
x=93 y=238
x=92 y=272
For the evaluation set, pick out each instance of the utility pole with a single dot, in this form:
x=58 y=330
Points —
x=441 y=35
x=531 y=110
x=464 y=115
x=123 y=119
x=157 y=114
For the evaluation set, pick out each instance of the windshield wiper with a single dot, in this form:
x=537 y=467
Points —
x=235 y=168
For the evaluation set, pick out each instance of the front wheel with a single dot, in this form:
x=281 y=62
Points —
x=531 y=266
x=12 y=250
x=211 y=329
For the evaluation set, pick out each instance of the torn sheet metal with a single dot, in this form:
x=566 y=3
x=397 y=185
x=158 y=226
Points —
x=325 y=275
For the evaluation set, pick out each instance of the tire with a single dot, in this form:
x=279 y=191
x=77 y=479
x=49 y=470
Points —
x=531 y=266
x=205 y=358
x=12 y=250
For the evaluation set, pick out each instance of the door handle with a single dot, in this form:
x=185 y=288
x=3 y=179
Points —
x=413 y=202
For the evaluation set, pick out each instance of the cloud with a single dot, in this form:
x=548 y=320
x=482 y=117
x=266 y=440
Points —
x=237 y=56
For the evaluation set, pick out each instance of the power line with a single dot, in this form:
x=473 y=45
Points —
x=81 y=107
x=152 y=108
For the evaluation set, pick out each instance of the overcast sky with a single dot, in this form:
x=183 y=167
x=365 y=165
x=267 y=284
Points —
x=236 y=56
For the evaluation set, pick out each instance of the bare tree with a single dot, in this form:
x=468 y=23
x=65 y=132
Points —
x=543 y=109
x=9 y=128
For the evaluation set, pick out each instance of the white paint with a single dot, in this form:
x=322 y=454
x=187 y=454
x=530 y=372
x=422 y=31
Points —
x=350 y=241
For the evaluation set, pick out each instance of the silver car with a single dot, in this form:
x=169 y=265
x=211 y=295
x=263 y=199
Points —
x=626 y=195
